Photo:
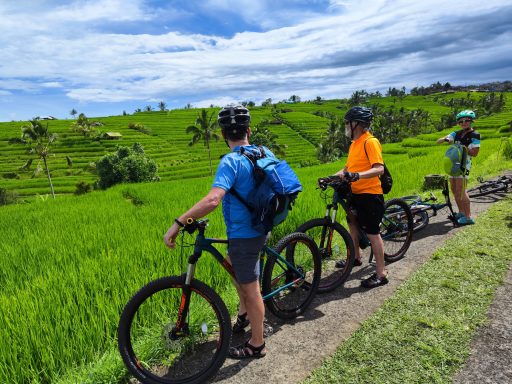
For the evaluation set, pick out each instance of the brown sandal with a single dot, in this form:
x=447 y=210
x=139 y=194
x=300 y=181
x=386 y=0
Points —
x=247 y=351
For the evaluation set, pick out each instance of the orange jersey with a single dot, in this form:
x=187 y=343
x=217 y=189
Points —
x=359 y=161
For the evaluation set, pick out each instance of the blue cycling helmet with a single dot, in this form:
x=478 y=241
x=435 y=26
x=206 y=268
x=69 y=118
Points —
x=466 y=113
x=358 y=113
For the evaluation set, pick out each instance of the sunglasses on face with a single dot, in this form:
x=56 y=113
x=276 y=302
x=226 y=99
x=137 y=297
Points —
x=464 y=121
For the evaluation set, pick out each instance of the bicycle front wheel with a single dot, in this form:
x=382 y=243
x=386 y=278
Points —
x=155 y=352
x=486 y=189
x=335 y=245
x=291 y=275
x=396 y=229
x=420 y=220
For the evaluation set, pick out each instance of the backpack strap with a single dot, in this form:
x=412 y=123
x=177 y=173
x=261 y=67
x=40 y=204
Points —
x=252 y=158
x=366 y=153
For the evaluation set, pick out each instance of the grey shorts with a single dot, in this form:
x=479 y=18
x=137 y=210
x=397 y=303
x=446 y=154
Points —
x=245 y=258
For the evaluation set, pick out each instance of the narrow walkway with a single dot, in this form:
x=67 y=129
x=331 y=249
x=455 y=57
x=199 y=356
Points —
x=295 y=349
x=491 y=351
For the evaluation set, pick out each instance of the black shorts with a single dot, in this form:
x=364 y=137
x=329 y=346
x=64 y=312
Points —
x=245 y=258
x=370 y=210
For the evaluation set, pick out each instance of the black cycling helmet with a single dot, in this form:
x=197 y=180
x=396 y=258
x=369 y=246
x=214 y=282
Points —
x=361 y=114
x=233 y=117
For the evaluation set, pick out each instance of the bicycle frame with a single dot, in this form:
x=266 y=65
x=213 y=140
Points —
x=203 y=243
x=331 y=213
x=425 y=205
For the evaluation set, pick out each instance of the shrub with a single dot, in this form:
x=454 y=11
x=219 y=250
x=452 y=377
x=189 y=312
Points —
x=507 y=149
x=7 y=197
x=82 y=188
x=126 y=165
x=11 y=175
x=140 y=127
x=414 y=154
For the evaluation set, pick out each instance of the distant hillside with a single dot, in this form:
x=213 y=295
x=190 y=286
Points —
x=300 y=126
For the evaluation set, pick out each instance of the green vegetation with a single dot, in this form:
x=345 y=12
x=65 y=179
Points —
x=301 y=127
x=70 y=265
x=422 y=334
x=126 y=165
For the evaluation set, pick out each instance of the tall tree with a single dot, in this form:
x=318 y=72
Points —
x=162 y=106
x=40 y=140
x=84 y=126
x=73 y=112
x=261 y=135
x=204 y=130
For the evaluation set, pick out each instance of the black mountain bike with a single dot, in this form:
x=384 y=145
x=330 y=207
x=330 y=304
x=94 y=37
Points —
x=334 y=241
x=177 y=329
x=501 y=184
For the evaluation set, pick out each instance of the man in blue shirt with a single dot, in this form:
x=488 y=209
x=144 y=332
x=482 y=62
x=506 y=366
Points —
x=244 y=242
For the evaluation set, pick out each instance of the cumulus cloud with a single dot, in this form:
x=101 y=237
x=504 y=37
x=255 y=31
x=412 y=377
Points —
x=326 y=48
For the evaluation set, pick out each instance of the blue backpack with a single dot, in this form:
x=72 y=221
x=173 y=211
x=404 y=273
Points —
x=277 y=187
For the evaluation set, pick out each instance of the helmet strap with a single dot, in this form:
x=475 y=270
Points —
x=353 y=128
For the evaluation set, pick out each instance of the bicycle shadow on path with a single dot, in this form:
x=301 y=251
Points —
x=296 y=348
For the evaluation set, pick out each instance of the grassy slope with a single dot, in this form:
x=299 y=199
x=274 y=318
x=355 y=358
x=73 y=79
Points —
x=168 y=143
x=422 y=334
x=73 y=263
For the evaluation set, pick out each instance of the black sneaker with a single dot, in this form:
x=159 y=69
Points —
x=374 y=281
x=341 y=263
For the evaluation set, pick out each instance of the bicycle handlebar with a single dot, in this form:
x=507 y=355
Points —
x=193 y=225
x=333 y=181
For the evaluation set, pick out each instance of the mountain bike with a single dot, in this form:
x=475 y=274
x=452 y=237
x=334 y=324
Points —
x=423 y=209
x=177 y=329
x=334 y=241
x=501 y=184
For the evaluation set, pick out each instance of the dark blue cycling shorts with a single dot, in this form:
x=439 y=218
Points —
x=245 y=258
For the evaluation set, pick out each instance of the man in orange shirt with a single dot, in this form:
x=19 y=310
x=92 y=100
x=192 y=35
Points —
x=363 y=167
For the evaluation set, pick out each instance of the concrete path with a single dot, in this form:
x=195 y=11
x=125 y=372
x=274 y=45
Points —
x=295 y=349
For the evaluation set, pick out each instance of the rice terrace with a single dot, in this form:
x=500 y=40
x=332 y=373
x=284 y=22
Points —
x=69 y=264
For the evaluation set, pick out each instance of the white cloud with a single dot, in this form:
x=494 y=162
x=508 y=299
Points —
x=370 y=44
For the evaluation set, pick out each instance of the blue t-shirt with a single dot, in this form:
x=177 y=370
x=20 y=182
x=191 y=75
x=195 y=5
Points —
x=235 y=170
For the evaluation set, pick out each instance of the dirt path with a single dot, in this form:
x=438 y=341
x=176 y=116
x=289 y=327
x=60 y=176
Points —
x=295 y=349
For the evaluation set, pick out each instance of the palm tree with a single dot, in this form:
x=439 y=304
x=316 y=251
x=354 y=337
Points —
x=39 y=139
x=204 y=129
x=162 y=106
x=73 y=112
x=84 y=126
x=261 y=135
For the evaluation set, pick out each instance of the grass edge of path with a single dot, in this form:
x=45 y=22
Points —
x=423 y=332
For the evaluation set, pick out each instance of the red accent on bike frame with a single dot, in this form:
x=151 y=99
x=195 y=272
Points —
x=228 y=267
x=180 y=311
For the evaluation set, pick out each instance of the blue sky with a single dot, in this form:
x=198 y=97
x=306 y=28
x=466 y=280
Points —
x=103 y=57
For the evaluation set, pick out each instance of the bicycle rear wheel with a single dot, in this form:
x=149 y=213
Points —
x=154 y=352
x=396 y=229
x=335 y=244
x=486 y=189
x=288 y=289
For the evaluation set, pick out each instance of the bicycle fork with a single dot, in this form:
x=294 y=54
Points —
x=181 y=328
x=325 y=244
